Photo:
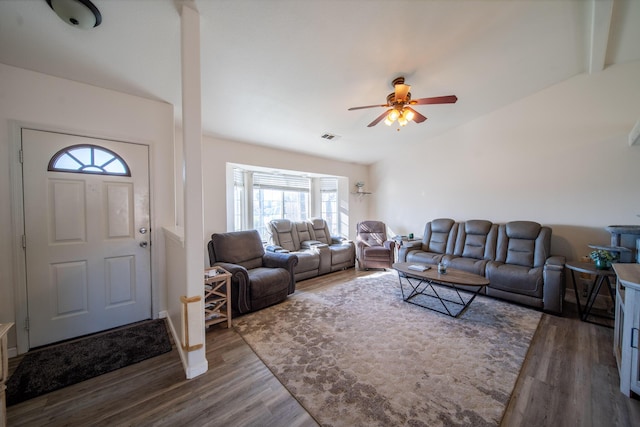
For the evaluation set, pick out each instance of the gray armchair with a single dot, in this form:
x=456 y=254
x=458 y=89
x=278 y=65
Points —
x=258 y=278
x=373 y=250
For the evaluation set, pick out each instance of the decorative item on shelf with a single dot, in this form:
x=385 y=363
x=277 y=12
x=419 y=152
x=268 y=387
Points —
x=360 y=189
x=602 y=259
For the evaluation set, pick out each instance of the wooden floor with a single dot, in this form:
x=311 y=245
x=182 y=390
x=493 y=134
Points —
x=569 y=378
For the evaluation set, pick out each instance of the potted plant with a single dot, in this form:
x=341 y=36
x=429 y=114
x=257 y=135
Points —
x=602 y=258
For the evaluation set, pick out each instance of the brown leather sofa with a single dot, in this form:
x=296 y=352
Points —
x=258 y=278
x=514 y=256
x=318 y=252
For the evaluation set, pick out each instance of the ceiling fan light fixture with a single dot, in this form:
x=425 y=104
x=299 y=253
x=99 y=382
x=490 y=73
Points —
x=408 y=114
x=77 y=13
x=398 y=105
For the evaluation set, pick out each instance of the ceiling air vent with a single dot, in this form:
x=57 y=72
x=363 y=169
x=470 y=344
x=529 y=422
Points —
x=329 y=136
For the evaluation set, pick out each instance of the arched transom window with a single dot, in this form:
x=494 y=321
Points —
x=88 y=158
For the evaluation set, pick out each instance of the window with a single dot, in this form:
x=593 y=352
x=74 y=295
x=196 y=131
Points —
x=239 y=195
x=329 y=203
x=279 y=196
x=88 y=159
x=259 y=197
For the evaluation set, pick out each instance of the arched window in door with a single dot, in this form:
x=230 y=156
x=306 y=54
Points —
x=87 y=158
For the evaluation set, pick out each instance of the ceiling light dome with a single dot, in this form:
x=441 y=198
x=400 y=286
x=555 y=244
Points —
x=77 y=13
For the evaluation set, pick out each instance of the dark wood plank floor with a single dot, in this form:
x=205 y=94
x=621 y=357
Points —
x=569 y=378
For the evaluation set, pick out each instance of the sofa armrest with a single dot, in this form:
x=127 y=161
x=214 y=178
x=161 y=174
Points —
x=308 y=244
x=553 y=277
x=338 y=240
x=232 y=268
x=389 y=244
x=555 y=262
x=287 y=261
x=279 y=260
x=239 y=286
x=276 y=248
x=406 y=248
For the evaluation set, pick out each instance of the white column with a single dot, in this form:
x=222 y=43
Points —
x=196 y=360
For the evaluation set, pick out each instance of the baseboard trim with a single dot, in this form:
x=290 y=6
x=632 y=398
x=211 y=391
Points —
x=195 y=371
x=164 y=315
x=190 y=371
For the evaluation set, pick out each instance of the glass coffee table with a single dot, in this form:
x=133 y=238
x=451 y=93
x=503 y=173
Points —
x=441 y=292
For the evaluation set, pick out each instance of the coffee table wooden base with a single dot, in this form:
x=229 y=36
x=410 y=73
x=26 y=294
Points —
x=446 y=290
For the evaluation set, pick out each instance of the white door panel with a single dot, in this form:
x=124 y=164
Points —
x=86 y=269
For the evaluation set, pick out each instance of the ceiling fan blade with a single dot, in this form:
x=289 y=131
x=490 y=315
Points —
x=378 y=119
x=435 y=100
x=401 y=92
x=367 y=106
x=417 y=117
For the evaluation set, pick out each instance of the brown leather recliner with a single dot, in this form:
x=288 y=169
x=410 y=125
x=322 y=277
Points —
x=258 y=278
x=373 y=250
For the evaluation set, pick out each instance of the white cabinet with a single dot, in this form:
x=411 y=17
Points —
x=627 y=327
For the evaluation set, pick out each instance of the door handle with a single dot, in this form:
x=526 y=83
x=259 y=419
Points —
x=143 y=244
x=142 y=230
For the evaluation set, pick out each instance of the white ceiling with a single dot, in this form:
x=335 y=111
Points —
x=282 y=73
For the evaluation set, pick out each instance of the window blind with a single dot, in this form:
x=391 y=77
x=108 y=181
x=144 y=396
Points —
x=329 y=185
x=280 y=182
x=238 y=177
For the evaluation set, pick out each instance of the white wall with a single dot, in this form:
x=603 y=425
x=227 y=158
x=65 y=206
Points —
x=560 y=157
x=217 y=152
x=49 y=103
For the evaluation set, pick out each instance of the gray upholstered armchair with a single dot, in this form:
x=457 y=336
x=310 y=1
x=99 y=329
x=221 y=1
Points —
x=373 y=250
x=258 y=278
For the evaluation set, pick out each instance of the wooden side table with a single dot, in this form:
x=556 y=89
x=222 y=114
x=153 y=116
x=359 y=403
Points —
x=217 y=296
x=600 y=277
x=4 y=368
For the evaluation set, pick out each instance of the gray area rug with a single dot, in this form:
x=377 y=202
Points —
x=355 y=354
x=61 y=365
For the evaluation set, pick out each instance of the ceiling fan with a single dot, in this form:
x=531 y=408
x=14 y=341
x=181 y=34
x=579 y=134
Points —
x=399 y=102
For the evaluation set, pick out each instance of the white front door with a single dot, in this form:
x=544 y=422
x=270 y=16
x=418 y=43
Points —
x=87 y=235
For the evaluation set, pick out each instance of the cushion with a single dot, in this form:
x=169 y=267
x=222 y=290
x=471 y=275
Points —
x=242 y=247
